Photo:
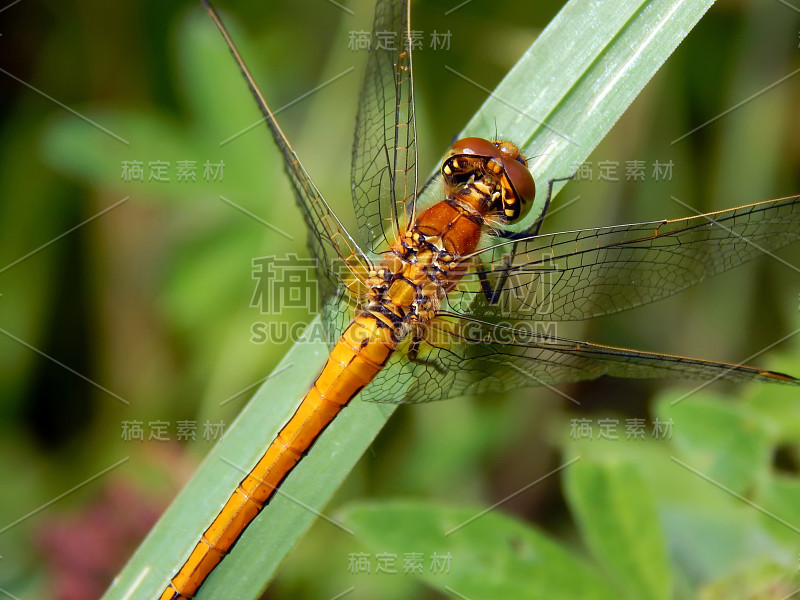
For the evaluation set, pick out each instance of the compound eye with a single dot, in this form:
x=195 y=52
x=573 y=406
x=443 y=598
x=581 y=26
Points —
x=522 y=182
x=475 y=146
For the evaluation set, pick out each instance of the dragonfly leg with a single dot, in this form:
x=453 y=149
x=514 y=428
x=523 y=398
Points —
x=413 y=349
x=493 y=295
x=417 y=337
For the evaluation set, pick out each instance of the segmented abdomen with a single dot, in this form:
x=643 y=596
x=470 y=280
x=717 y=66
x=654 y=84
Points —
x=357 y=357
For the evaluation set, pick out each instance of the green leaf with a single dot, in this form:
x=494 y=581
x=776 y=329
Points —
x=487 y=555
x=561 y=99
x=708 y=542
x=727 y=442
x=216 y=97
x=779 y=496
x=616 y=513
x=757 y=579
x=778 y=406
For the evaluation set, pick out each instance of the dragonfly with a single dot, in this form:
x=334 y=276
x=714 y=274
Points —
x=427 y=303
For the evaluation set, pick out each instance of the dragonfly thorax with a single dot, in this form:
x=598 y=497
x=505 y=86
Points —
x=411 y=280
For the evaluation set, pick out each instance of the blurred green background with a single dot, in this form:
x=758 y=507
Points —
x=129 y=302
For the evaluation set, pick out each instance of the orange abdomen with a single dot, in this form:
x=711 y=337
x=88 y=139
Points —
x=358 y=356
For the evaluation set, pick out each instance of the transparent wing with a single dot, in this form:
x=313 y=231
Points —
x=384 y=175
x=580 y=274
x=468 y=357
x=337 y=253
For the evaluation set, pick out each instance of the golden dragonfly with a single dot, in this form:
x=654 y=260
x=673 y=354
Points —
x=430 y=303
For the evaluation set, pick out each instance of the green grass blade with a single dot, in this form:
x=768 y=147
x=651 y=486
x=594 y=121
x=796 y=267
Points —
x=255 y=557
x=574 y=83
x=560 y=100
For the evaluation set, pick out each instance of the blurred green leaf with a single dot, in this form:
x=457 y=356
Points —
x=216 y=99
x=710 y=541
x=726 y=440
x=490 y=555
x=616 y=514
x=758 y=580
x=708 y=529
x=778 y=405
x=779 y=497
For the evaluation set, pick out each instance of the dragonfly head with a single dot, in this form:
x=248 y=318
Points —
x=498 y=163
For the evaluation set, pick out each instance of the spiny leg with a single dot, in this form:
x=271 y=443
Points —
x=417 y=337
x=493 y=295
